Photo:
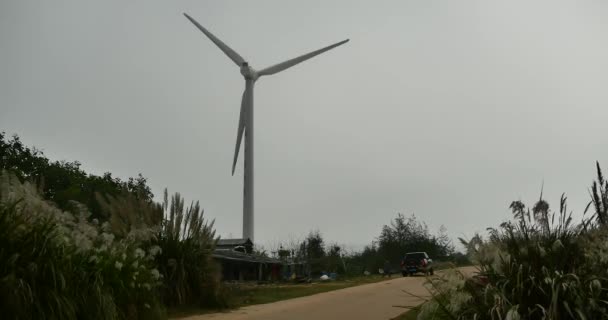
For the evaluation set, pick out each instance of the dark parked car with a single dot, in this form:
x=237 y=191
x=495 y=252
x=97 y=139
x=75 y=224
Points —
x=415 y=262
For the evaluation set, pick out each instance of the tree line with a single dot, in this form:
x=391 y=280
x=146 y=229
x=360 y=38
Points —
x=64 y=182
x=403 y=234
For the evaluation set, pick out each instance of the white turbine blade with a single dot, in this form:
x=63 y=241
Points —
x=227 y=50
x=290 y=63
x=245 y=107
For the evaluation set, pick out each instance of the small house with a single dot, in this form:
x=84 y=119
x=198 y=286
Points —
x=238 y=262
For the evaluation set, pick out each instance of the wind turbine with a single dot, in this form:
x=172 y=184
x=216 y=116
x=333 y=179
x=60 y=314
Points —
x=246 y=115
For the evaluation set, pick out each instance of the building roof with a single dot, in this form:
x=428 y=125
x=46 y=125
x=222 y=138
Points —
x=234 y=242
x=229 y=254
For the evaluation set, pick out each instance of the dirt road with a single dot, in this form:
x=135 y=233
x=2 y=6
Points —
x=370 y=301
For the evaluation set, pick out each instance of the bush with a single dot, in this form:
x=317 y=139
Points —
x=57 y=265
x=87 y=247
x=187 y=241
x=539 y=266
x=64 y=182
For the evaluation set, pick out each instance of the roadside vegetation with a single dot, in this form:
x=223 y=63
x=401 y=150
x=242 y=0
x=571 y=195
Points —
x=412 y=314
x=401 y=235
x=257 y=294
x=80 y=246
x=542 y=264
x=246 y=294
x=75 y=245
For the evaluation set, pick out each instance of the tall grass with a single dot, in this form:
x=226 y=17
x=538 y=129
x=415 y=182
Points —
x=540 y=265
x=61 y=265
x=184 y=241
x=32 y=281
x=187 y=241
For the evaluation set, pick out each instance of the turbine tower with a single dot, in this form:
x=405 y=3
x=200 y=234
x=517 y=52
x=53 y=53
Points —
x=246 y=115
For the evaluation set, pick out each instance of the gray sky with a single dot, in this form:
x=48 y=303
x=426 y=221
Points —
x=446 y=109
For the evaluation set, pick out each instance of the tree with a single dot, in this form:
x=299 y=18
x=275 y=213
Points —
x=404 y=235
x=446 y=247
x=312 y=249
x=64 y=182
x=333 y=260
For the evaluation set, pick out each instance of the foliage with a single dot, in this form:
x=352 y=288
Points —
x=333 y=260
x=449 y=297
x=57 y=265
x=246 y=294
x=88 y=247
x=541 y=265
x=406 y=235
x=367 y=260
x=599 y=197
x=127 y=212
x=65 y=182
x=402 y=235
x=187 y=241
x=312 y=251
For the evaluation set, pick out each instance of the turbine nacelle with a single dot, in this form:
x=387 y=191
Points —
x=248 y=72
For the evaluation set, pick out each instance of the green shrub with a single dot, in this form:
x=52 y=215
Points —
x=539 y=266
x=63 y=181
x=59 y=265
x=187 y=241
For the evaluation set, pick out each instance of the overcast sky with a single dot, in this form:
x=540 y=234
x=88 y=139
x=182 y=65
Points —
x=446 y=109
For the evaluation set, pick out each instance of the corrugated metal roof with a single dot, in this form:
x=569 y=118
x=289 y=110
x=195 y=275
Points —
x=240 y=256
x=234 y=242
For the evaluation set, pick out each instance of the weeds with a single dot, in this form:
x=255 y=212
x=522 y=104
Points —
x=60 y=265
x=187 y=241
x=541 y=265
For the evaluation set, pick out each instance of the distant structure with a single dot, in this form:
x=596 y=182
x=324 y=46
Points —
x=246 y=115
x=240 y=245
x=239 y=264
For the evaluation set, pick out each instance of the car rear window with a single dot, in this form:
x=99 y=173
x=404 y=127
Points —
x=417 y=256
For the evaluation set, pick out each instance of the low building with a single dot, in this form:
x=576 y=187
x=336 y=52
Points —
x=241 y=245
x=238 y=262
